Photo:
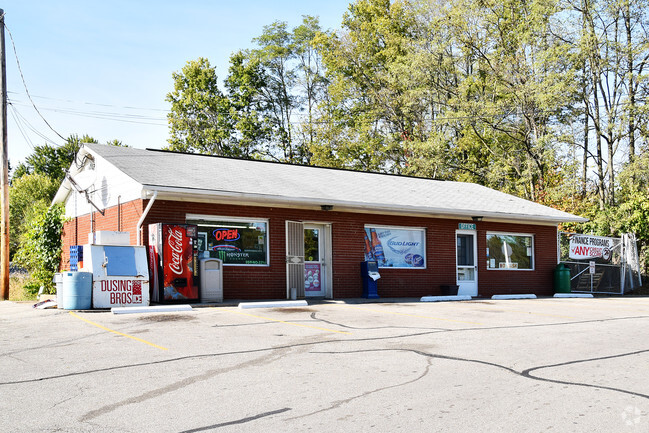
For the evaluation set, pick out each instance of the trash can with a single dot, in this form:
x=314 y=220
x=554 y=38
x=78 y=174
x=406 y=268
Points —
x=211 y=282
x=77 y=290
x=561 y=279
x=58 y=281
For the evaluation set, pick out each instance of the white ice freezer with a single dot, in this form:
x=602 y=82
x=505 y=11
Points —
x=120 y=275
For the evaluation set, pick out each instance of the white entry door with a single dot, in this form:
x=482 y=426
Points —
x=315 y=260
x=467 y=265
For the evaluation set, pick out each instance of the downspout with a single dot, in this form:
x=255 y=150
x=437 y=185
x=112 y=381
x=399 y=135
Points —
x=144 y=214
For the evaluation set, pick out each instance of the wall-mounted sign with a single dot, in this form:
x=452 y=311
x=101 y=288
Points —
x=466 y=226
x=584 y=247
x=396 y=247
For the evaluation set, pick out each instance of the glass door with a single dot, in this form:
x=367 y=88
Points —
x=467 y=269
x=314 y=261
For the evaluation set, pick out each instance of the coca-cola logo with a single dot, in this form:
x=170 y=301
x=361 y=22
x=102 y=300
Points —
x=175 y=242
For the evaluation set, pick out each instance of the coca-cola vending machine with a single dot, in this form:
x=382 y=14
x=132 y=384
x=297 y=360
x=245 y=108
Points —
x=173 y=251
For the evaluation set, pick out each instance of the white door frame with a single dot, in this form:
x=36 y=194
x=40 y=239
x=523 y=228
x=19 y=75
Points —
x=325 y=257
x=467 y=287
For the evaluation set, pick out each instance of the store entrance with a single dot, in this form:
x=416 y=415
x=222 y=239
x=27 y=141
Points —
x=315 y=260
x=467 y=265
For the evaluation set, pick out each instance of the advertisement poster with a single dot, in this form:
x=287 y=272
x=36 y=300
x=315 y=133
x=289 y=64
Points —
x=584 y=247
x=395 y=248
x=312 y=277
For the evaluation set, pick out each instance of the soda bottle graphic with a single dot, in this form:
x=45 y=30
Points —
x=377 y=248
x=368 y=247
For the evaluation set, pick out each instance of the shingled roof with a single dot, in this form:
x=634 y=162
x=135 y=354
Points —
x=270 y=183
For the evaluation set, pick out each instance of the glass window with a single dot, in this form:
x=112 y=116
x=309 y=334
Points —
x=311 y=245
x=465 y=250
x=396 y=247
x=235 y=241
x=510 y=251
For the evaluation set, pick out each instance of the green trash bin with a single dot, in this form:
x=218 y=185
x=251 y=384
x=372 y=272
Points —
x=561 y=279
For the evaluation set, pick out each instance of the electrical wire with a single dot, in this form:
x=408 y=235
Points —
x=26 y=123
x=20 y=127
x=122 y=117
x=22 y=77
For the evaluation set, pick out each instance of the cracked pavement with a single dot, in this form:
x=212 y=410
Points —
x=512 y=365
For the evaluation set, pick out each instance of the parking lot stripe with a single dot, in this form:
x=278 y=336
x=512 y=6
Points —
x=417 y=315
x=289 y=323
x=117 y=332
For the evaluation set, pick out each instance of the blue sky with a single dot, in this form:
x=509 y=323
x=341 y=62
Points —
x=104 y=68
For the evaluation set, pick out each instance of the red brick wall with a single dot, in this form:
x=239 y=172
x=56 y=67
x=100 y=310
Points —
x=117 y=218
x=253 y=282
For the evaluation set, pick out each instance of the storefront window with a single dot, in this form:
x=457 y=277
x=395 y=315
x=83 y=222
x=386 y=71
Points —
x=396 y=247
x=510 y=251
x=235 y=241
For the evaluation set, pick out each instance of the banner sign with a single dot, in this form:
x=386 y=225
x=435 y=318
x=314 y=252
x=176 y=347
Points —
x=396 y=248
x=585 y=247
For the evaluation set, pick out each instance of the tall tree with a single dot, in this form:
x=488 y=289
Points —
x=199 y=120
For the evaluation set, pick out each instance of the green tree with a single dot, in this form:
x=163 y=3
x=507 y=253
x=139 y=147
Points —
x=40 y=250
x=52 y=161
x=373 y=106
x=200 y=120
x=29 y=196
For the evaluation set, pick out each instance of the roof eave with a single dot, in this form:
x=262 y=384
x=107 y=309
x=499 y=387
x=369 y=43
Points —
x=185 y=194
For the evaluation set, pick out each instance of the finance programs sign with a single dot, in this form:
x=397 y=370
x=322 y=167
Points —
x=584 y=247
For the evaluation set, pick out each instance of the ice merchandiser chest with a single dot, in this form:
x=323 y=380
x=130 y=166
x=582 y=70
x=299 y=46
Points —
x=120 y=275
x=173 y=258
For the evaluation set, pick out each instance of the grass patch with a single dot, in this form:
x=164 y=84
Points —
x=19 y=287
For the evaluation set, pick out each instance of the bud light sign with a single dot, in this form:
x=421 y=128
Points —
x=396 y=247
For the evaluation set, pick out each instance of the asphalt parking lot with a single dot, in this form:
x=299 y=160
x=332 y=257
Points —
x=543 y=365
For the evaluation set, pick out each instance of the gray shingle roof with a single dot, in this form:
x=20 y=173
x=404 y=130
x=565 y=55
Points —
x=284 y=183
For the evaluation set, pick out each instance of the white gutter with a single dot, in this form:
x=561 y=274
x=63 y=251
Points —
x=144 y=214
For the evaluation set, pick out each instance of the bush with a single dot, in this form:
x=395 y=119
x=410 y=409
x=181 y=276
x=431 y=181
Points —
x=40 y=249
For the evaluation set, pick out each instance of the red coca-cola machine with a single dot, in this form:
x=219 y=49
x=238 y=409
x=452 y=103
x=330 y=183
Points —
x=173 y=259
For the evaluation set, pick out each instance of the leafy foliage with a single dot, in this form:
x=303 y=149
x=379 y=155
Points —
x=40 y=250
x=52 y=161
x=29 y=196
x=543 y=99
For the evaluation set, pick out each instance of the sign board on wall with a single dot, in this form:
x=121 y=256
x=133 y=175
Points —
x=586 y=247
x=396 y=247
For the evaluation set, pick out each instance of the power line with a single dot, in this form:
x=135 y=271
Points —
x=25 y=84
x=25 y=122
x=122 y=117
x=127 y=107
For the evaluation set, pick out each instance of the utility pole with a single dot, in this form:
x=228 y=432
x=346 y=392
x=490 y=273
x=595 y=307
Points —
x=4 y=196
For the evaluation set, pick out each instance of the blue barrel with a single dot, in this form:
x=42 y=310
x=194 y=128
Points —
x=77 y=290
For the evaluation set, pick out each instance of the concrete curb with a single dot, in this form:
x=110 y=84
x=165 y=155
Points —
x=274 y=304
x=445 y=298
x=573 y=295
x=151 y=309
x=521 y=296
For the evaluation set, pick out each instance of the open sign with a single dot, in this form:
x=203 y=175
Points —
x=229 y=235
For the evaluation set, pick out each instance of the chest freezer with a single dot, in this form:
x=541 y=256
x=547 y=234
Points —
x=120 y=275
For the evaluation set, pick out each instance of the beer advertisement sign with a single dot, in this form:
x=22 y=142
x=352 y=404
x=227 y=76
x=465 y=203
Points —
x=396 y=247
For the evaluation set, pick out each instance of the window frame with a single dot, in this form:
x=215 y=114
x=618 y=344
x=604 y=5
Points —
x=207 y=219
x=525 y=235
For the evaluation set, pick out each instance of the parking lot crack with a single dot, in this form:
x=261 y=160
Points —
x=338 y=403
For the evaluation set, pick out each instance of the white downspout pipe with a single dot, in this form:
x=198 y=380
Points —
x=144 y=214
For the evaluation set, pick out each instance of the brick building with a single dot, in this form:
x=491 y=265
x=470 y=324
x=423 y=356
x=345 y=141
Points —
x=311 y=227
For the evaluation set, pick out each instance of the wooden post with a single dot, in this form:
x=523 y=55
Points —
x=4 y=196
